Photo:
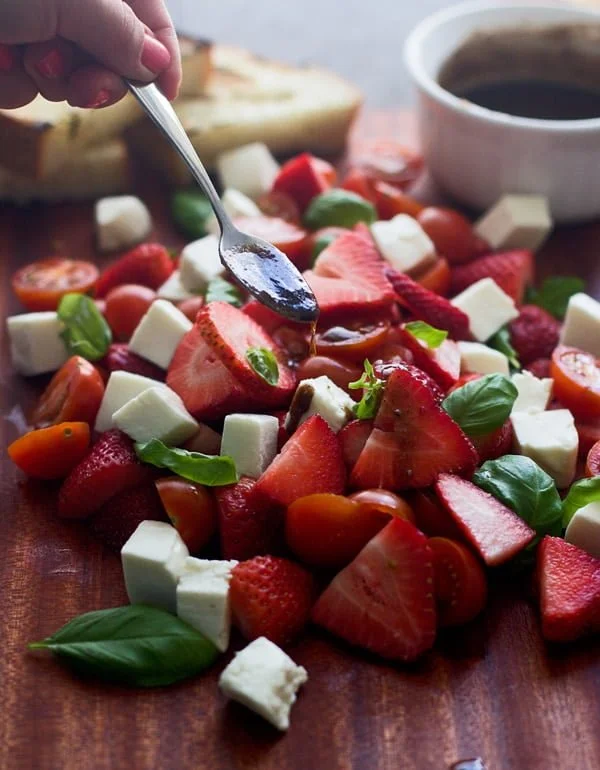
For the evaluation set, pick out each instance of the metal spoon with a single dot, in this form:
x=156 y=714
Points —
x=261 y=268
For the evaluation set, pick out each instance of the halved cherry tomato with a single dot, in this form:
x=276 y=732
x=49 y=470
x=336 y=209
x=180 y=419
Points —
x=280 y=205
x=41 y=285
x=393 y=350
x=451 y=233
x=432 y=518
x=191 y=508
x=460 y=582
x=391 y=201
x=327 y=530
x=285 y=236
x=357 y=181
x=74 y=394
x=592 y=465
x=437 y=278
x=304 y=177
x=576 y=377
x=295 y=342
x=51 y=453
x=388 y=161
x=125 y=307
x=190 y=307
x=351 y=344
x=384 y=501
x=339 y=372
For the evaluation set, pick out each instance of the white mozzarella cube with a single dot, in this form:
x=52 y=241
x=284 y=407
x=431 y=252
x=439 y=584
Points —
x=480 y=359
x=251 y=441
x=265 y=679
x=153 y=560
x=203 y=599
x=320 y=395
x=200 y=263
x=35 y=343
x=250 y=169
x=236 y=204
x=487 y=306
x=121 y=221
x=516 y=222
x=584 y=529
x=173 y=290
x=158 y=334
x=550 y=439
x=403 y=243
x=121 y=388
x=581 y=328
x=156 y=413
x=534 y=394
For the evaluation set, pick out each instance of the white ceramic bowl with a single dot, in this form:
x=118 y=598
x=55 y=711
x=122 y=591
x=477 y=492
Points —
x=476 y=154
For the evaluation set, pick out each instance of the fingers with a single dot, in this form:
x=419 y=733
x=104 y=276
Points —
x=50 y=65
x=93 y=86
x=16 y=87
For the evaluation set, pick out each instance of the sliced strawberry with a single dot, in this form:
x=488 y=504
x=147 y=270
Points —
x=111 y=467
x=383 y=600
x=512 y=271
x=569 y=586
x=441 y=363
x=385 y=369
x=120 y=358
x=430 y=515
x=120 y=516
x=271 y=597
x=310 y=462
x=534 y=334
x=495 y=444
x=245 y=529
x=413 y=440
x=353 y=438
x=429 y=307
x=149 y=264
x=496 y=532
x=303 y=178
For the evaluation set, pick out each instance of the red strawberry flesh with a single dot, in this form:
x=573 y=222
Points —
x=246 y=530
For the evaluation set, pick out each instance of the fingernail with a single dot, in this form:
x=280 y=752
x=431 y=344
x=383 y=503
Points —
x=155 y=56
x=102 y=98
x=7 y=58
x=52 y=65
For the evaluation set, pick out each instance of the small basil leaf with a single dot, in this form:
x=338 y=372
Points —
x=555 y=293
x=220 y=290
x=86 y=333
x=422 y=331
x=501 y=342
x=372 y=388
x=190 y=210
x=136 y=645
x=338 y=208
x=581 y=493
x=483 y=405
x=210 y=470
x=264 y=363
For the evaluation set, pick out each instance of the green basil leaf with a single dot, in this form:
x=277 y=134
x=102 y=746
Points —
x=372 y=388
x=264 y=363
x=581 y=493
x=501 y=342
x=135 y=645
x=422 y=331
x=338 y=208
x=86 y=332
x=220 y=290
x=190 y=210
x=209 y=470
x=519 y=483
x=483 y=405
x=555 y=293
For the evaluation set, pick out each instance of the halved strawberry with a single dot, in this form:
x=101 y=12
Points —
x=413 y=439
x=495 y=444
x=304 y=177
x=534 y=334
x=569 y=586
x=148 y=264
x=120 y=516
x=353 y=438
x=496 y=532
x=245 y=529
x=120 y=358
x=512 y=271
x=383 y=600
x=441 y=363
x=310 y=462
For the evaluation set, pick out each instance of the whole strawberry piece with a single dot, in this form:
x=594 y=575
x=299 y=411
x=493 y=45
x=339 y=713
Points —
x=540 y=367
x=246 y=529
x=271 y=597
x=511 y=270
x=120 y=358
x=120 y=516
x=149 y=264
x=534 y=334
x=110 y=468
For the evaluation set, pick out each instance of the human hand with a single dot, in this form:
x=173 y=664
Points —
x=79 y=50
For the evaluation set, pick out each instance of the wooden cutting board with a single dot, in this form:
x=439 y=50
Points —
x=492 y=690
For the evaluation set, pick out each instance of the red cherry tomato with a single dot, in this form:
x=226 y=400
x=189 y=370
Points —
x=51 y=453
x=359 y=182
x=190 y=307
x=285 y=236
x=385 y=502
x=460 y=582
x=437 y=278
x=451 y=233
x=125 y=307
x=388 y=161
x=280 y=205
x=74 y=394
x=592 y=466
x=339 y=372
x=41 y=285
x=191 y=508
x=351 y=344
x=391 y=201
x=576 y=377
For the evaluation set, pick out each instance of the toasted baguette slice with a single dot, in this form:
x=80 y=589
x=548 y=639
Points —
x=91 y=173
x=252 y=99
x=196 y=66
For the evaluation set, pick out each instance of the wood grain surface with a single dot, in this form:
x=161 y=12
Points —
x=493 y=690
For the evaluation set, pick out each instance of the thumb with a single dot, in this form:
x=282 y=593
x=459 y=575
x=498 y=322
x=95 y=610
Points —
x=111 y=32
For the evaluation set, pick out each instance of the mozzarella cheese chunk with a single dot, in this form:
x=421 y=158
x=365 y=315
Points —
x=203 y=599
x=487 y=306
x=251 y=441
x=550 y=439
x=236 y=204
x=200 y=263
x=156 y=413
x=158 y=334
x=479 y=359
x=581 y=328
x=121 y=221
x=35 y=343
x=250 y=169
x=121 y=388
x=403 y=243
x=265 y=679
x=516 y=222
x=320 y=395
x=173 y=290
x=153 y=560
x=584 y=529
x=533 y=393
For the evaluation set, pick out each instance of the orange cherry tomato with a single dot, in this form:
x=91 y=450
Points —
x=388 y=161
x=74 y=394
x=42 y=284
x=280 y=205
x=451 y=233
x=576 y=377
x=437 y=278
x=592 y=465
x=460 y=582
x=286 y=236
x=351 y=344
x=385 y=502
x=125 y=307
x=431 y=517
x=191 y=508
x=391 y=201
x=190 y=307
x=339 y=372
x=51 y=453
x=327 y=530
